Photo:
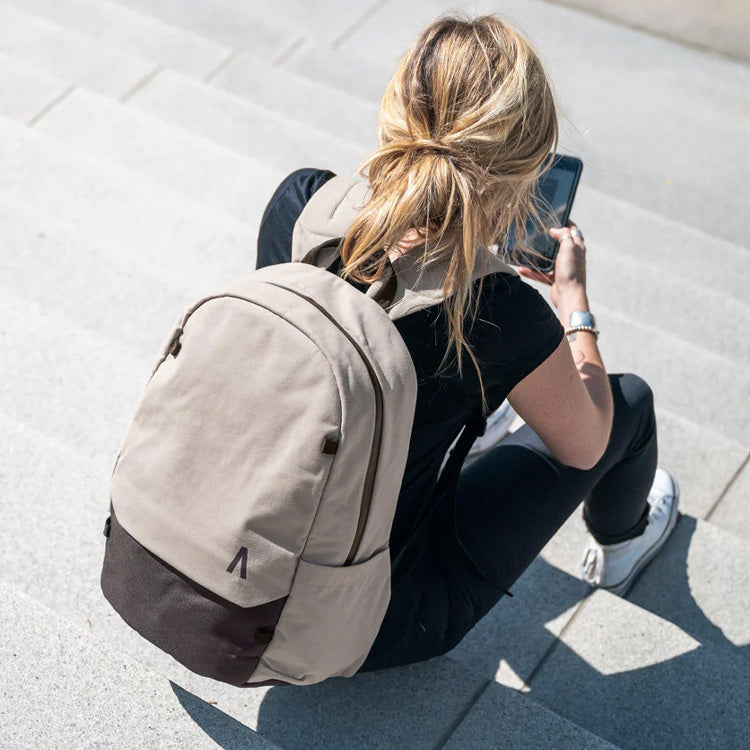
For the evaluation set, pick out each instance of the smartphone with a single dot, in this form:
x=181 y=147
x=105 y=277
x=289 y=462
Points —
x=556 y=190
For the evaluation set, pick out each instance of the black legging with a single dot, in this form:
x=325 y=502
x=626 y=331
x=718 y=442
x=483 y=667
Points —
x=507 y=505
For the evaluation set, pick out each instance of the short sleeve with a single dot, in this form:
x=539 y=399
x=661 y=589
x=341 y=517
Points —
x=524 y=330
x=282 y=212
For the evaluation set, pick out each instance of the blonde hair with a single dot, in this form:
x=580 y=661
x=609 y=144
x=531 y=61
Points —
x=465 y=128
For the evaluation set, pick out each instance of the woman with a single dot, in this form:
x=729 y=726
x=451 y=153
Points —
x=465 y=128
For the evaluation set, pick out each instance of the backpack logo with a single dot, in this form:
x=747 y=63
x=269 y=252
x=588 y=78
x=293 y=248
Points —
x=240 y=557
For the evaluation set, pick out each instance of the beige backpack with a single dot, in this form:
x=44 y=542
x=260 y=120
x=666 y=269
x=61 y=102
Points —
x=253 y=494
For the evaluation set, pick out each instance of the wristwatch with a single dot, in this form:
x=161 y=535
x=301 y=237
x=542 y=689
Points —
x=581 y=320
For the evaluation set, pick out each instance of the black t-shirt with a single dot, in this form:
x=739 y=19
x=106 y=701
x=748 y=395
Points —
x=515 y=331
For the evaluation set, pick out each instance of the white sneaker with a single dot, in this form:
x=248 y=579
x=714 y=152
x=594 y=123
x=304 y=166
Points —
x=614 y=567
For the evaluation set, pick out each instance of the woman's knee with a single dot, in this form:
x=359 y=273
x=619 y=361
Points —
x=632 y=391
x=634 y=423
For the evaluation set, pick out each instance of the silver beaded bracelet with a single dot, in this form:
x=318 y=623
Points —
x=575 y=329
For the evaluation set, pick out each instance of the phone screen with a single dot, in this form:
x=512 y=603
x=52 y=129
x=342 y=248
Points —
x=556 y=190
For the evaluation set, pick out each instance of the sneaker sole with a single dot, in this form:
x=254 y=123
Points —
x=622 y=588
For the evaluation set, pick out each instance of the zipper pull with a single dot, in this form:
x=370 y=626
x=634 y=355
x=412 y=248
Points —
x=174 y=345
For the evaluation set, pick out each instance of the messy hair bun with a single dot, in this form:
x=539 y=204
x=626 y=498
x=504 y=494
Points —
x=465 y=126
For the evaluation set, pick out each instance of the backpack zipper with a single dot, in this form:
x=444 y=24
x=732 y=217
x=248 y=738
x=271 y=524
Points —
x=372 y=465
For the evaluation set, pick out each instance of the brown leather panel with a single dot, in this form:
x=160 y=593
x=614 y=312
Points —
x=206 y=633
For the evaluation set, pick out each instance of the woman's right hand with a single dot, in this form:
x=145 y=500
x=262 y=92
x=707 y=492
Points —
x=568 y=277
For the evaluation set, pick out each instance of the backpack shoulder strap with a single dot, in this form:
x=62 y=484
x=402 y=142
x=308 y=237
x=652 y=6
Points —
x=329 y=214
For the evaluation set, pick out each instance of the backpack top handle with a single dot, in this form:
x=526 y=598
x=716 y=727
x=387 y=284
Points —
x=384 y=296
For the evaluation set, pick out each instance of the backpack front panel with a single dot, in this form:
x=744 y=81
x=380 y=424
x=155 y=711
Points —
x=205 y=469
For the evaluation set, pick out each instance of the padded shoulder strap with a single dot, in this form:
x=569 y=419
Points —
x=330 y=212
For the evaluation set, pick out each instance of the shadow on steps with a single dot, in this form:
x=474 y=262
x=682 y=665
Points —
x=620 y=672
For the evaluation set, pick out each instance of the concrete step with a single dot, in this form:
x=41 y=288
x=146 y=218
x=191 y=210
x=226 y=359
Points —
x=230 y=24
x=157 y=228
x=350 y=73
x=77 y=386
x=503 y=718
x=675 y=250
x=131 y=33
x=71 y=274
x=238 y=124
x=244 y=26
x=637 y=679
x=703 y=460
x=322 y=106
x=698 y=23
x=60 y=687
x=25 y=91
x=732 y=512
x=194 y=166
x=685 y=377
x=694 y=173
x=684 y=308
x=699 y=582
x=69 y=54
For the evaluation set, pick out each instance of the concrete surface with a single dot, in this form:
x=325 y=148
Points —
x=24 y=90
x=69 y=54
x=316 y=104
x=733 y=509
x=722 y=27
x=238 y=124
x=62 y=688
x=155 y=227
x=355 y=75
x=121 y=29
x=499 y=720
x=191 y=165
x=638 y=680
